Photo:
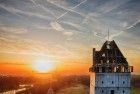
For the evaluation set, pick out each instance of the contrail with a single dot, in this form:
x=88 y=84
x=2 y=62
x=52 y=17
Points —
x=14 y=13
x=129 y=27
x=70 y=10
x=114 y=35
x=66 y=9
x=39 y=5
x=33 y=2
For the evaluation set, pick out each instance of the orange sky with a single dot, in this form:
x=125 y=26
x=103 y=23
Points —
x=64 y=32
x=22 y=64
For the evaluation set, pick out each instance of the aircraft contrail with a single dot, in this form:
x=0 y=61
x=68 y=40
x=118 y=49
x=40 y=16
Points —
x=113 y=35
x=66 y=9
x=70 y=10
x=56 y=23
x=131 y=26
x=39 y=5
x=7 y=9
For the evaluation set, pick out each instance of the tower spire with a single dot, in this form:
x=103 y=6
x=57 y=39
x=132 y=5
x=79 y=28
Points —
x=108 y=34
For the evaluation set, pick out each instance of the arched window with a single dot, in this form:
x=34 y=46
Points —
x=123 y=91
x=112 y=82
x=102 y=91
x=123 y=82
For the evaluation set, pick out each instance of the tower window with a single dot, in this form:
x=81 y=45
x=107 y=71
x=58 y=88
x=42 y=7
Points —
x=102 y=91
x=112 y=92
x=102 y=82
x=123 y=91
x=112 y=82
x=123 y=82
x=103 y=69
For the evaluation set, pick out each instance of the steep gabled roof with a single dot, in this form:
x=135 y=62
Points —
x=110 y=53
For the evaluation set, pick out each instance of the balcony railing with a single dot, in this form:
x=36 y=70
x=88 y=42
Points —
x=111 y=69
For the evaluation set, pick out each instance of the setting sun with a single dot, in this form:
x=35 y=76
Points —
x=43 y=66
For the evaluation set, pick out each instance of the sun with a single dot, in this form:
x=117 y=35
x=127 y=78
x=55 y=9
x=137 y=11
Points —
x=43 y=66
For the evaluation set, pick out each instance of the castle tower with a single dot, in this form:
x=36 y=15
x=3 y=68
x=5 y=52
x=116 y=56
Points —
x=110 y=72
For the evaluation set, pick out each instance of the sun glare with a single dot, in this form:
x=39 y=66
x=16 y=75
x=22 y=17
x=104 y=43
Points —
x=43 y=66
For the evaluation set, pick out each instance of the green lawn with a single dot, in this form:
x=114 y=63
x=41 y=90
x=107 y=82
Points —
x=78 y=89
x=135 y=90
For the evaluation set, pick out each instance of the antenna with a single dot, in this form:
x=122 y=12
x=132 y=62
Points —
x=108 y=34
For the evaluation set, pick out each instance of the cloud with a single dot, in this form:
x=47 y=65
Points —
x=97 y=35
x=91 y=17
x=133 y=25
x=16 y=11
x=68 y=33
x=85 y=24
x=43 y=7
x=35 y=48
x=14 y=30
x=56 y=26
x=111 y=5
x=67 y=9
x=71 y=9
x=115 y=35
x=73 y=26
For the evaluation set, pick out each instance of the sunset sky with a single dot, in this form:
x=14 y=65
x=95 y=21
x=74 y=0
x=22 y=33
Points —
x=65 y=31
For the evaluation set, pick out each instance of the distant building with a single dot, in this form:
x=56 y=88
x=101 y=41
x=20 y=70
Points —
x=110 y=73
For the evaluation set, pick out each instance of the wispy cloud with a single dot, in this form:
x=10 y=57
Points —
x=71 y=10
x=15 y=30
x=134 y=24
x=68 y=33
x=43 y=7
x=56 y=26
x=114 y=35
x=111 y=5
x=67 y=9
x=59 y=28
x=17 y=12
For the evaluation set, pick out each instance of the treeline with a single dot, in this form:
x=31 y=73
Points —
x=60 y=83
x=13 y=82
x=136 y=81
x=41 y=86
